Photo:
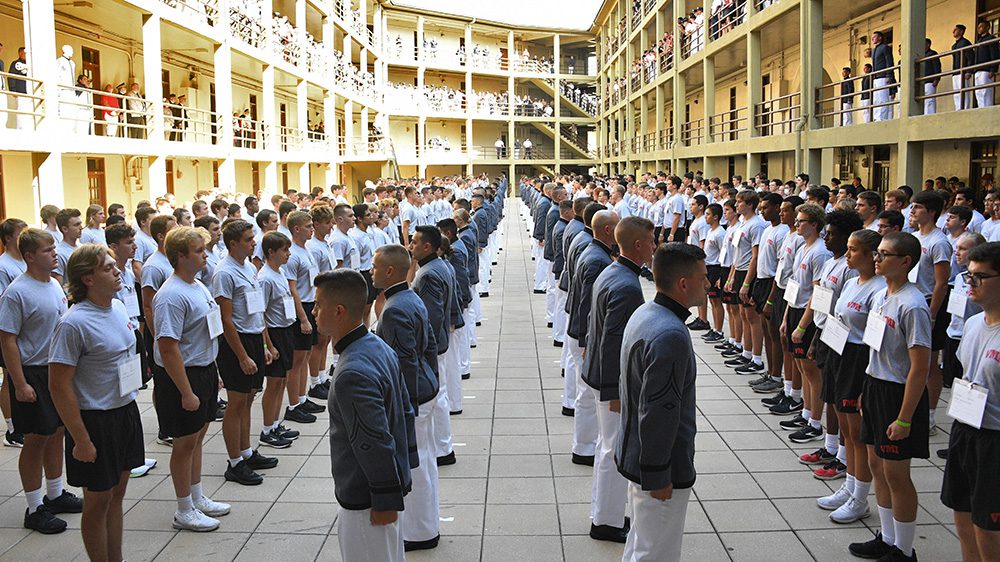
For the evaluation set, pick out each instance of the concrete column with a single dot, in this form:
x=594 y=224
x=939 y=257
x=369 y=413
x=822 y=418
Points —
x=510 y=47
x=330 y=122
x=910 y=164
x=420 y=40
x=40 y=42
x=223 y=69
x=268 y=114
x=753 y=164
x=271 y=183
x=814 y=163
x=152 y=68
x=913 y=26
x=364 y=127
x=680 y=100
x=421 y=137
x=158 y=177
x=708 y=68
x=754 y=82
x=47 y=180
x=300 y=22
x=302 y=113
x=811 y=42
x=350 y=136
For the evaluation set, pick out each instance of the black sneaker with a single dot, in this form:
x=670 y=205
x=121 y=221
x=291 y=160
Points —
x=759 y=380
x=714 y=337
x=220 y=413
x=65 y=503
x=258 y=461
x=13 y=439
x=290 y=434
x=311 y=407
x=223 y=404
x=732 y=352
x=942 y=454
x=568 y=412
x=242 y=474
x=896 y=555
x=751 y=368
x=319 y=392
x=608 y=533
x=299 y=415
x=274 y=440
x=774 y=400
x=164 y=439
x=873 y=549
x=806 y=434
x=794 y=424
x=697 y=325
x=446 y=460
x=768 y=386
x=455 y=413
x=466 y=376
x=557 y=343
x=584 y=460
x=723 y=346
x=737 y=361
x=787 y=407
x=43 y=521
x=421 y=545
x=548 y=324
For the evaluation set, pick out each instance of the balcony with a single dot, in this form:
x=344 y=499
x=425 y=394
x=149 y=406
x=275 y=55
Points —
x=728 y=125
x=693 y=132
x=83 y=111
x=877 y=101
x=250 y=133
x=29 y=101
x=778 y=116
x=246 y=22
x=665 y=138
x=202 y=10
x=727 y=18
x=187 y=124
x=959 y=84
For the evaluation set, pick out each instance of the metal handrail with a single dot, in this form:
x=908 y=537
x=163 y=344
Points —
x=837 y=100
x=761 y=4
x=666 y=61
x=765 y=111
x=736 y=16
x=245 y=25
x=249 y=133
x=29 y=107
x=209 y=9
x=725 y=123
x=693 y=132
x=964 y=92
x=665 y=138
x=193 y=125
x=77 y=108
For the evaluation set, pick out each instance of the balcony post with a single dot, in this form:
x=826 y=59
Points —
x=708 y=68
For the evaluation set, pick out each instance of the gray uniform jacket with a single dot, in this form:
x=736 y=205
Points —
x=405 y=327
x=481 y=219
x=573 y=249
x=455 y=320
x=433 y=285
x=372 y=440
x=593 y=260
x=459 y=260
x=551 y=219
x=541 y=211
x=558 y=257
x=617 y=295
x=468 y=237
x=655 y=444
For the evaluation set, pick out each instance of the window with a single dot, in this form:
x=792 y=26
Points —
x=284 y=178
x=165 y=82
x=983 y=161
x=96 y=182
x=215 y=173
x=255 y=176
x=92 y=69
x=763 y=165
x=732 y=166
x=880 y=168
x=170 y=176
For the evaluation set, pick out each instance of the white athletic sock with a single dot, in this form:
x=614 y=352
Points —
x=904 y=535
x=267 y=429
x=234 y=462
x=757 y=359
x=274 y=426
x=324 y=376
x=888 y=529
x=932 y=422
x=732 y=341
x=788 y=388
x=850 y=484
x=746 y=354
x=313 y=381
x=861 y=490
x=10 y=424
x=831 y=440
x=815 y=422
x=246 y=453
x=806 y=413
x=53 y=487
x=797 y=394
x=302 y=400
x=842 y=454
x=185 y=504
x=196 y=492
x=34 y=499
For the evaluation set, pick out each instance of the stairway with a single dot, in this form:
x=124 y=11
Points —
x=565 y=139
x=544 y=86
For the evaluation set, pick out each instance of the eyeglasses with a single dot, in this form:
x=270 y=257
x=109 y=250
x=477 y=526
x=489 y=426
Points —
x=879 y=255
x=976 y=279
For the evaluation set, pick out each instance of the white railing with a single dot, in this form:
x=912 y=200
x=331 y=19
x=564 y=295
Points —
x=198 y=9
x=28 y=107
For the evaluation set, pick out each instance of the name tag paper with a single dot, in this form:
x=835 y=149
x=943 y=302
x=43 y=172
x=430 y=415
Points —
x=355 y=260
x=129 y=376
x=214 y=319
x=132 y=304
x=874 y=330
x=723 y=253
x=912 y=277
x=968 y=403
x=835 y=334
x=313 y=272
x=956 y=303
x=791 y=291
x=255 y=301
x=822 y=300
x=736 y=238
x=289 y=304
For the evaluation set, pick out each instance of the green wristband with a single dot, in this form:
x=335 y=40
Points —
x=746 y=284
x=800 y=329
x=902 y=423
x=769 y=303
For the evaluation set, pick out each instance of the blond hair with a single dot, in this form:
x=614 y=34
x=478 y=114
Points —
x=179 y=240
x=84 y=261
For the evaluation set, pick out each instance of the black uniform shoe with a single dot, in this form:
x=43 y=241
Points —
x=568 y=412
x=737 y=361
x=319 y=392
x=299 y=415
x=243 y=474
x=896 y=555
x=466 y=376
x=478 y=324
x=608 y=533
x=287 y=433
x=66 y=503
x=942 y=454
x=557 y=343
x=258 y=461
x=220 y=413
x=43 y=521
x=455 y=413
x=447 y=459
x=548 y=324
x=873 y=549
x=421 y=545
x=487 y=295
x=13 y=439
x=311 y=407
x=583 y=459
x=537 y=292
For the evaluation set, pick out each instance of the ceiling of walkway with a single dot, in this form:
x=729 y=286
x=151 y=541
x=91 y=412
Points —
x=556 y=14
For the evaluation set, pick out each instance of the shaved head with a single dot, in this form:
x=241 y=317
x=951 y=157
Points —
x=395 y=256
x=603 y=225
x=631 y=229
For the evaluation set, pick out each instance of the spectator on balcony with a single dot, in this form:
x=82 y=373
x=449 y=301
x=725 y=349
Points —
x=571 y=64
x=82 y=110
x=866 y=93
x=883 y=78
x=136 y=113
x=499 y=144
x=25 y=105
x=847 y=98
x=110 y=112
x=931 y=67
x=959 y=62
x=172 y=117
x=237 y=130
x=527 y=148
x=987 y=51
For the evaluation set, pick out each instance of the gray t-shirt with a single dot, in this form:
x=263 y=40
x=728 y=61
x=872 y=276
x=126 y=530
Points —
x=156 y=270
x=854 y=303
x=833 y=276
x=128 y=296
x=907 y=324
x=30 y=309
x=674 y=206
x=95 y=340
x=10 y=269
x=726 y=250
x=808 y=269
x=180 y=310
x=344 y=249
x=93 y=236
x=979 y=353
x=934 y=249
x=366 y=246
x=957 y=325
x=301 y=268
x=751 y=232
x=698 y=231
x=63 y=252
x=713 y=245
x=767 y=254
x=275 y=287
x=786 y=258
x=321 y=254
x=235 y=281
x=145 y=246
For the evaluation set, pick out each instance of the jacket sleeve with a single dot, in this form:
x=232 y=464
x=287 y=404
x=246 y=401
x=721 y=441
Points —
x=398 y=332
x=621 y=305
x=433 y=292
x=362 y=406
x=540 y=214
x=659 y=409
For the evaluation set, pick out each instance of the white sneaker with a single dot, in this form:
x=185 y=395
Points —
x=211 y=508
x=151 y=463
x=933 y=430
x=851 y=511
x=834 y=500
x=143 y=469
x=194 y=520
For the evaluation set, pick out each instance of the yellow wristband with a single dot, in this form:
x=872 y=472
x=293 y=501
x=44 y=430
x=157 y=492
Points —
x=800 y=329
x=902 y=423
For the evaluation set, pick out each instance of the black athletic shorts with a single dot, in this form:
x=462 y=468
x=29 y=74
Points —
x=734 y=296
x=174 y=420
x=283 y=340
x=304 y=342
x=39 y=417
x=952 y=366
x=799 y=350
x=849 y=375
x=715 y=281
x=778 y=310
x=140 y=349
x=939 y=330
x=821 y=353
x=233 y=377
x=117 y=436
x=970 y=483
x=760 y=290
x=372 y=291
x=880 y=405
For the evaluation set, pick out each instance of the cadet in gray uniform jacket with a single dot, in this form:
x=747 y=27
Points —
x=573 y=247
x=655 y=448
x=371 y=421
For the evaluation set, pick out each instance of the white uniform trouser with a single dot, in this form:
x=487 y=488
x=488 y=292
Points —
x=881 y=96
x=847 y=117
x=962 y=100
x=930 y=104
x=420 y=521
x=551 y=301
x=110 y=123
x=453 y=370
x=541 y=279
x=476 y=314
x=24 y=120
x=560 y=318
x=468 y=336
x=570 y=367
x=610 y=489
x=363 y=542
x=585 y=417
x=984 y=96
x=657 y=526
x=484 y=272
x=441 y=420
x=866 y=114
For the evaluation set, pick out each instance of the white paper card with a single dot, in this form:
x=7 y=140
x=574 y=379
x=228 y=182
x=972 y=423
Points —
x=912 y=277
x=355 y=259
x=874 y=330
x=737 y=236
x=968 y=402
x=822 y=299
x=214 y=319
x=723 y=252
x=313 y=272
x=791 y=291
x=835 y=334
x=289 y=304
x=129 y=375
x=131 y=303
x=956 y=303
x=255 y=301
